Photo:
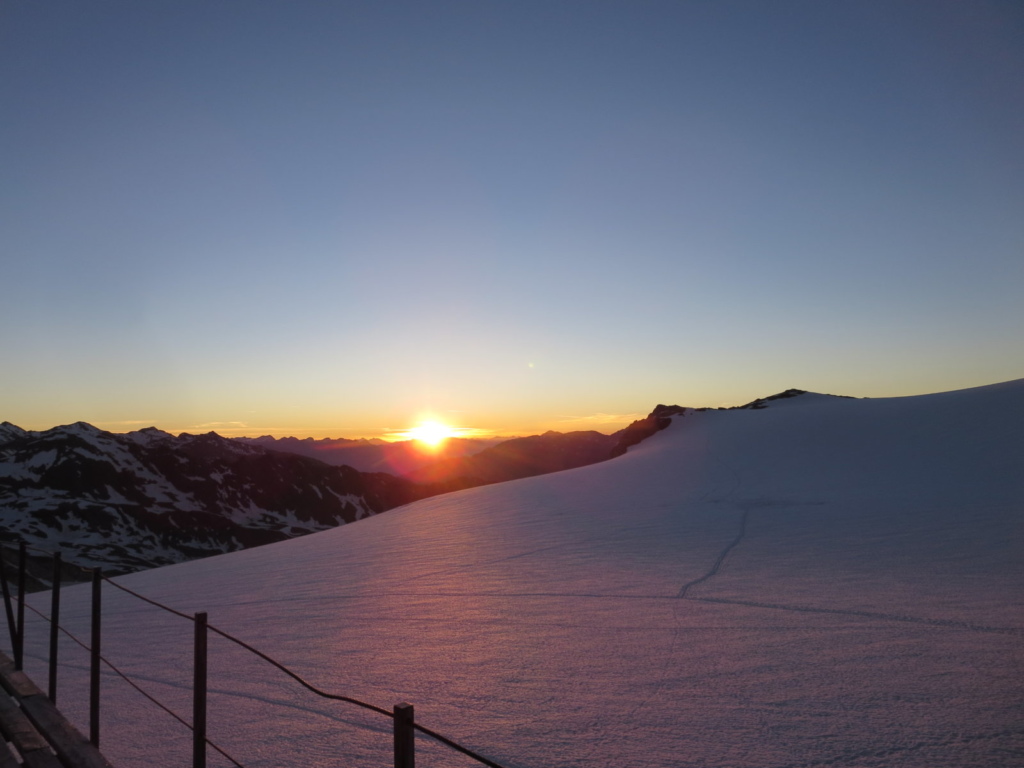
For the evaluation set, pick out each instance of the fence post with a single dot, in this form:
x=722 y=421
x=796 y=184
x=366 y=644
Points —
x=7 y=601
x=405 y=734
x=94 y=662
x=54 y=624
x=19 y=649
x=199 y=695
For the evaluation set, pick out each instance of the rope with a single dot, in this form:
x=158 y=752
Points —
x=273 y=662
x=448 y=742
x=309 y=686
x=135 y=685
x=145 y=599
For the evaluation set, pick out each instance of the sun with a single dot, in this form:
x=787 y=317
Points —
x=430 y=433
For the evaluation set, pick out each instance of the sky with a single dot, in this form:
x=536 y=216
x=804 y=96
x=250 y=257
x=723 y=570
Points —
x=335 y=218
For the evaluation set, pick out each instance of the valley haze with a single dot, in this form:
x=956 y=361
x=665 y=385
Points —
x=814 y=581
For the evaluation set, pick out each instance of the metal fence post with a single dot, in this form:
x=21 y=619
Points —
x=405 y=734
x=19 y=649
x=94 y=661
x=11 y=627
x=54 y=626
x=199 y=695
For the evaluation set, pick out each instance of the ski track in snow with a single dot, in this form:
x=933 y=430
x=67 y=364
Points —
x=605 y=736
x=721 y=557
x=724 y=554
x=944 y=623
x=720 y=560
x=683 y=594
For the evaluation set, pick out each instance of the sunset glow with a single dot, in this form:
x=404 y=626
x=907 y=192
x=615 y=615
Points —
x=431 y=433
x=475 y=213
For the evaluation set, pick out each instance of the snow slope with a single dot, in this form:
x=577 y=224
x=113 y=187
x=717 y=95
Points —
x=822 y=582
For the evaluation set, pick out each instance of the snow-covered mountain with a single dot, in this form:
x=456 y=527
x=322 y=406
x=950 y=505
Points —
x=817 y=581
x=131 y=501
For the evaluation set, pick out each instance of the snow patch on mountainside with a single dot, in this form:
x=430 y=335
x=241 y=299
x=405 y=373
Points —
x=156 y=499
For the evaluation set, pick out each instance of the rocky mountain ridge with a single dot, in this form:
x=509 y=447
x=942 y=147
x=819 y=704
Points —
x=146 y=498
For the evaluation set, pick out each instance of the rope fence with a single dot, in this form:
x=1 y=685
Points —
x=402 y=714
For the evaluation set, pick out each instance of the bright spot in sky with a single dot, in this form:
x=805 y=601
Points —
x=431 y=433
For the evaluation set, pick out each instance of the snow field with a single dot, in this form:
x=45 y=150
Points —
x=823 y=582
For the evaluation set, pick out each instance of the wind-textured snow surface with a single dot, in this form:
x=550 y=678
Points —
x=822 y=582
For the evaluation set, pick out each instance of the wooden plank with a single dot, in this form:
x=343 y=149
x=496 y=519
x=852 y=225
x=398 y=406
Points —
x=14 y=681
x=7 y=759
x=37 y=729
x=17 y=728
x=73 y=749
x=41 y=758
x=6 y=665
x=18 y=685
x=33 y=748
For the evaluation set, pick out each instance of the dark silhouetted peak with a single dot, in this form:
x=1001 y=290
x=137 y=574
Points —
x=641 y=429
x=762 y=401
x=667 y=410
x=10 y=431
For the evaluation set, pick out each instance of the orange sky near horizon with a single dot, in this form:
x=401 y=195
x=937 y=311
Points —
x=335 y=219
x=394 y=424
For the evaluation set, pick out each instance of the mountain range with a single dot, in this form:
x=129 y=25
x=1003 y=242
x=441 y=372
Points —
x=400 y=458
x=147 y=498
x=128 y=501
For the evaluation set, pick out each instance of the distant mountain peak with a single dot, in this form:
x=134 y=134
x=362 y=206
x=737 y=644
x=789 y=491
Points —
x=78 y=428
x=148 y=436
x=10 y=431
x=761 y=402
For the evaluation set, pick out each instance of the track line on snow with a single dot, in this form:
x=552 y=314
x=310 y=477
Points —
x=721 y=557
x=947 y=623
x=683 y=593
x=605 y=732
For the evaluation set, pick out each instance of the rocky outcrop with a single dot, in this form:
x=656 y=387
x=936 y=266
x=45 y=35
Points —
x=641 y=429
x=762 y=402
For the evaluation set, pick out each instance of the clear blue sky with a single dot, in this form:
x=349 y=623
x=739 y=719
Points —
x=328 y=218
